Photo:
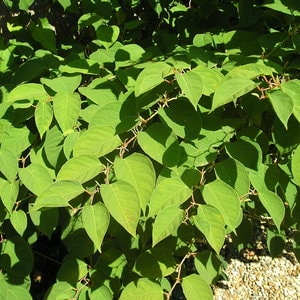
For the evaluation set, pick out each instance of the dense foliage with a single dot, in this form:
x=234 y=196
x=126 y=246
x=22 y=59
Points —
x=136 y=135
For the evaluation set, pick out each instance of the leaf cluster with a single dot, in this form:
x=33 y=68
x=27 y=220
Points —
x=137 y=136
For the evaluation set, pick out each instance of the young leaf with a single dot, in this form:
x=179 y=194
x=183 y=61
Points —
x=283 y=106
x=231 y=89
x=166 y=222
x=8 y=164
x=194 y=287
x=35 y=177
x=43 y=116
x=18 y=220
x=98 y=140
x=210 y=222
x=223 y=197
x=122 y=201
x=152 y=76
x=169 y=192
x=58 y=194
x=95 y=220
x=80 y=168
x=295 y=166
x=191 y=85
x=66 y=108
x=161 y=144
x=143 y=288
x=137 y=169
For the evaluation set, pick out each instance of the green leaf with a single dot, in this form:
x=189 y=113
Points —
x=17 y=139
x=295 y=166
x=67 y=84
x=28 y=91
x=13 y=292
x=122 y=201
x=234 y=174
x=101 y=292
x=166 y=222
x=182 y=118
x=72 y=270
x=143 y=289
x=161 y=144
x=223 y=197
x=60 y=291
x=245 y=151
x=274 y=206
x=8 y=164
x=53 y=145
x=208 y=265
x=76 y=240
x=210 y=222
x=16 y=257
x=80 y=168
x=44 y=33
x=286 y=7
x=69 y=143
x=45 y=221
x=231 y=89
x=66 y=108
x=43 y=116
x=169 y=192
x=83 y=66
x=98 y=140
x=194 y=287
x=152 y=76
x=292 y=88
x=107 y=35
x=120 y=115
x=35 y=177
x=58 y=194
x=129 y=55
x=211 y=79
x=9 y=193
x=18 y=220
x=275 y=242
x=191 y=85
x=112 y=263
x=95 y=220
x=137 y=169
x=155 y=263
x=250 y=71
x=283 y=106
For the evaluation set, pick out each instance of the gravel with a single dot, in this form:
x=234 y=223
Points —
x=266 y=278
